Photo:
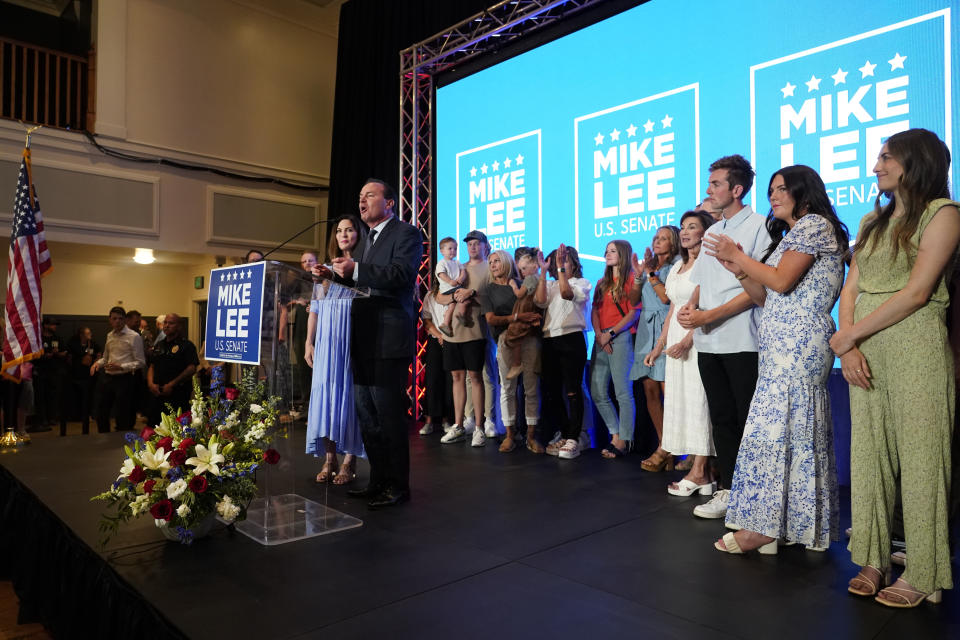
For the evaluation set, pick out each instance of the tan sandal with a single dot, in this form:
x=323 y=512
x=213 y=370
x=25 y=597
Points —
x=906 y=597
x=326 y=472
x=865 y=586
x=347 y=473
x=507 y=445
x=660 y=460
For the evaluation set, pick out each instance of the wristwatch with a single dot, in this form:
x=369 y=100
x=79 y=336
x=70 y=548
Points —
x=613 y=334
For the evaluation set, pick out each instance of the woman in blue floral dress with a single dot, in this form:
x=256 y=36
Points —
x=785 y=483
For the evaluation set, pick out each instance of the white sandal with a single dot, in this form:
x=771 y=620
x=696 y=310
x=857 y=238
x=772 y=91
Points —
x=730 y=545
x=686 y=488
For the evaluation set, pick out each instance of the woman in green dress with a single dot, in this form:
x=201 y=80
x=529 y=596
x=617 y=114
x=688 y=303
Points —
x=893 y=350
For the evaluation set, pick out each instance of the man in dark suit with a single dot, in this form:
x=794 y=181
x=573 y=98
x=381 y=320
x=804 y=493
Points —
x=384 y=340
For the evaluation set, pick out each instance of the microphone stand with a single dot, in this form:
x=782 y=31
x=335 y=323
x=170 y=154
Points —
x=296 y=235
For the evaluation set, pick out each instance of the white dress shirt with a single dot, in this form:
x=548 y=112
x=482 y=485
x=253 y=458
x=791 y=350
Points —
x=124 y=348
x=566 y=316
x=737 y=333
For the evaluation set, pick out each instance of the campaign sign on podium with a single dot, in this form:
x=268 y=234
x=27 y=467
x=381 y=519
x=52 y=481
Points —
x=234 y=313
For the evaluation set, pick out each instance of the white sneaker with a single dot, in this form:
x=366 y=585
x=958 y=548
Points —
x=569 y=450
x=426 y=429
x=479 y=439
x=716 y=508
x=490 y=428
x=469 y=424
x=456 y=434
x=447 y=426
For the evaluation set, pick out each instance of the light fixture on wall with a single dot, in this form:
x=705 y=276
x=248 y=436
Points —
x=144 y=256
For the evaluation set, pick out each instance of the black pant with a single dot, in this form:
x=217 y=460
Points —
x=562 y=362
x=179 y=400
x=439 y=383
x=48 y=382
x=83 y=397
x=380 y=393
x=120 y=392
x=729 y=380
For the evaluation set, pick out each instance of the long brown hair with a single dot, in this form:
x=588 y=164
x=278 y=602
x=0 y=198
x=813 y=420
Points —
x=607 y=282
x=333 y=249
x=925 y=160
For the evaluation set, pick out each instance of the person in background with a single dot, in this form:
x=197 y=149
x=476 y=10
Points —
x=686 y=417
x=84 y=351
x=614 y=322
x=170 y=374
x=122 y=358
x=49 y=379
x=438 y=383
x=725 y=320
x=785 y=482
x=452 y=275
x=478 y=250
x=498 y=307
x=159 y=330
x=253 y=255
x=895 y=355
x=564 y=354
x=649 y=289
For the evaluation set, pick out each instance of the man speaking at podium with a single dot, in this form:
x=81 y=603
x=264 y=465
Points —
x=384 y=340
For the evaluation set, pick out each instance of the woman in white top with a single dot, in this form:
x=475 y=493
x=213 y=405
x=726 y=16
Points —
x=686 y=418
x=564 y=352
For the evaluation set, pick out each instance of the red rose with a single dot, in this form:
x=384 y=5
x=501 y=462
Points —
x=165 y=443
x=185 y=418
x=271 y=456
x=148 y=486
x=177 y=457
x=198 y=484
x=137 y=475
x=186 y=443
x=163 y=510
x=147 y=433
x=232 y=393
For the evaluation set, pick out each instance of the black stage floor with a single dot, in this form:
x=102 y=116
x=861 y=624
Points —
x=505 y=545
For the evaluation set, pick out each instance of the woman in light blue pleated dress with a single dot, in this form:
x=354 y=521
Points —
x=649 y=288
x=332 y=420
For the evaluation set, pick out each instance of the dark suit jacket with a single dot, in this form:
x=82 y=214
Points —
x=385 y=324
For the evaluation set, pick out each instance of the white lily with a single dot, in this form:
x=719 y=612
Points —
x=255 y=408
x=156 y=460
x=206 y=459
x=127 y=467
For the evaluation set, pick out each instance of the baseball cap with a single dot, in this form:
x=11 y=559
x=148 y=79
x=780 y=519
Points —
x=476 y=235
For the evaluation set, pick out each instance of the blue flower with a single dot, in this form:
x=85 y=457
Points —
x=174 y=474
x=185 y=535
x=130 y=437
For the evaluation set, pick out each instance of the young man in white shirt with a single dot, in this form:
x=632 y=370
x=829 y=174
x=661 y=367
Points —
x=726 y=321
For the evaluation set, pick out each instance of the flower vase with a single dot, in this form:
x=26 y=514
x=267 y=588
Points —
x=199 y=530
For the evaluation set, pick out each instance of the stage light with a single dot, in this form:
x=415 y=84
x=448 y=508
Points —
x=144 y=256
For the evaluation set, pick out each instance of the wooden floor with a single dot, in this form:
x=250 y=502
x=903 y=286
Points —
x=9 y=629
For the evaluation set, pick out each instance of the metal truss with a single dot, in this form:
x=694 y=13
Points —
x=483 y=33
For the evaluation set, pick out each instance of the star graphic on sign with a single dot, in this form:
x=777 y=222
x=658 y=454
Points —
x=896 y=62
x=667 y=121
x=506 y=163
x=483 y=168
x=599 y=139
x=648 y=126
x=787 y=90
x=241 y=275
x=221 y=277
x=813 y=84
x=496 y=166
x=631 y=130
x=614 y=135
x=866 y=69
x=840 y=77
x=234 y=275
x=473 y=172
x=519 y=159
x=249 y=273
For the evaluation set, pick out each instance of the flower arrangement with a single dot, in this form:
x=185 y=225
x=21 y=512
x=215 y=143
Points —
x=195 y=466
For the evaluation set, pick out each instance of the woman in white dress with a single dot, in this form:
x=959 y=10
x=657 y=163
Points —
x=686 y=418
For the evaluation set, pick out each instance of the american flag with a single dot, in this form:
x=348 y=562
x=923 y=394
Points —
x=29 y=260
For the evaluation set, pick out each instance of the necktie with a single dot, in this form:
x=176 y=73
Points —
x=370 y=240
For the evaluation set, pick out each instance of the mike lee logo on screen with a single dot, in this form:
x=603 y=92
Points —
x=832 y=107
x=498 y=191
x=636 y=163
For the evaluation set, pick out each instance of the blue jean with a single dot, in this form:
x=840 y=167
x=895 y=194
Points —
x=617 y=366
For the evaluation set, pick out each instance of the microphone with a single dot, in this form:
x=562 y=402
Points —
x=296 y=235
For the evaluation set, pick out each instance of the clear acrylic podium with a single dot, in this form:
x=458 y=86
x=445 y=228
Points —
x=278 y=514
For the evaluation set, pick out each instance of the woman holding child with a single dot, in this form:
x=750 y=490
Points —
x=508 y=308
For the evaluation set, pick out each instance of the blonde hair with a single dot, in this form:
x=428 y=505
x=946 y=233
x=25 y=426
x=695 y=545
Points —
x=505 y=258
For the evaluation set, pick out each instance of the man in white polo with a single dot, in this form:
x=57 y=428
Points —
x=726 y=321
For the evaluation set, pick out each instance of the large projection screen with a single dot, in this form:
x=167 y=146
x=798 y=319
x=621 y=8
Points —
x=607 y=132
